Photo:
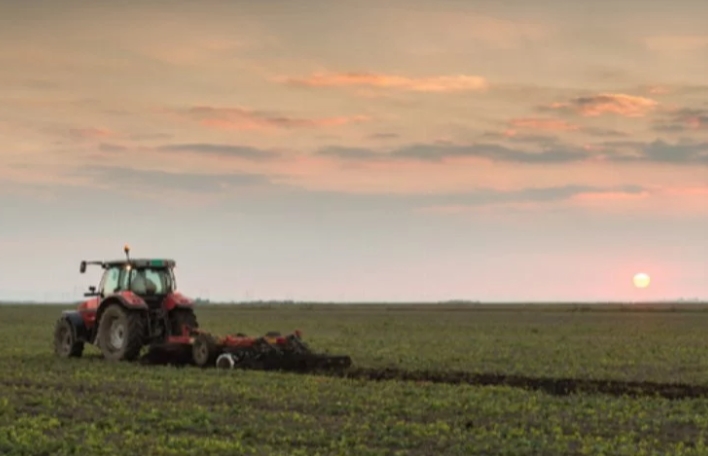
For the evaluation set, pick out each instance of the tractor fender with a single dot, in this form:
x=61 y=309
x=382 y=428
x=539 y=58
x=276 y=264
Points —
x=177 y=301
x=74 y=317
x=125 y=299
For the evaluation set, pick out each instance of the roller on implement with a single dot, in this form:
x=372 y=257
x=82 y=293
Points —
x=137 y=306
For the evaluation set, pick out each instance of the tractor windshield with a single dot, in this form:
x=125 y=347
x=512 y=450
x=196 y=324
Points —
x=144 y=281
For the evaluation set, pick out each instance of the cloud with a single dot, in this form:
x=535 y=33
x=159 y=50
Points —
x=149 y=136
x=604 y=132
x=246 y=119
x=549 y=151
x=659 y=151
x=524 y=138
x=663 y=152
x=605 y=103
x=441 y=151
x=221 y=150
x=549 y=125
x=610 y=195
x=434 y=84
x=111 y=148
x=682 y=120
x=384 y=136
x=146 y=180
x=543 y=124
x=676 y=43
x=214 y=150
x=527 y=198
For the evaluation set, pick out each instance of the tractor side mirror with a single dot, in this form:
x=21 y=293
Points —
x=82 y=268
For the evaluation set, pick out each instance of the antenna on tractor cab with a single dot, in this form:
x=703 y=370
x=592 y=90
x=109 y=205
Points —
x=126 y=249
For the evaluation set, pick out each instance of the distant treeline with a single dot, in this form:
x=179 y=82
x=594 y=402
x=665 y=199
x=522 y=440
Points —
x=441 y=306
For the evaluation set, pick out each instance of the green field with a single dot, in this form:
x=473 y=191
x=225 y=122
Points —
x=87 y=406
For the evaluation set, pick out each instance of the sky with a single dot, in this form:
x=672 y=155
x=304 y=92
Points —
x=358 y=151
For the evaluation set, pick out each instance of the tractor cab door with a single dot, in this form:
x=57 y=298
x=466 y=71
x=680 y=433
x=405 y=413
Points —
x=110 y=282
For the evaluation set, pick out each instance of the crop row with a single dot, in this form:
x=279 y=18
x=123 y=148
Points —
x=88 y=407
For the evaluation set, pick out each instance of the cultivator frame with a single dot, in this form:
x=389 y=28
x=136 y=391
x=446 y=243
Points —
x=271 y=351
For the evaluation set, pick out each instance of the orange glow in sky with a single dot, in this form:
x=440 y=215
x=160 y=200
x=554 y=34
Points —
x=418 y=150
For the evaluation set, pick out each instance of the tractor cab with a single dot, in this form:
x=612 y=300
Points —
x=149 y=278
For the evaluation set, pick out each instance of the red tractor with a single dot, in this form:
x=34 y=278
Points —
x=136 y=304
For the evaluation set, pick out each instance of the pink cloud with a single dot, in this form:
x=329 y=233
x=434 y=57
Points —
x=435 y=84
x=245 y=119
x=694 y=119
x=608 y=103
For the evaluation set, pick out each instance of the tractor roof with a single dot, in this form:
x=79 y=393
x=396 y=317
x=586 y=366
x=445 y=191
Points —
x=160 y=263
x=142 y=263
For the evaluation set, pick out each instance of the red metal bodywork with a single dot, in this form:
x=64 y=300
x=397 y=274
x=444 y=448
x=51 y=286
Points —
x=243 y=341
x=131 y=299
x=176 y=299
x=89 y=308
x=231 y=341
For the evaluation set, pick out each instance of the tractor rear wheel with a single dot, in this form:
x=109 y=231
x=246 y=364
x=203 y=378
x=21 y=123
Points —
x=66 y=344
x=121 y=333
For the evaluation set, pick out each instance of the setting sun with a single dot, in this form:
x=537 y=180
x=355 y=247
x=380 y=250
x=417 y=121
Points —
x=641 y=280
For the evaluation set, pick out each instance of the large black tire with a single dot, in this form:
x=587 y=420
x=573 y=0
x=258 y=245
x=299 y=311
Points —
x=121 y=333
x=66 y=344
x=181 y=317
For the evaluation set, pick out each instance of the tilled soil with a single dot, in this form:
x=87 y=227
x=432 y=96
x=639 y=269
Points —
x=554 y=386
x=549 y=385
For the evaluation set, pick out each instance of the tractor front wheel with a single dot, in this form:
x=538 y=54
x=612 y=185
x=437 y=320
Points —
x=66 y=344
x=121 y=333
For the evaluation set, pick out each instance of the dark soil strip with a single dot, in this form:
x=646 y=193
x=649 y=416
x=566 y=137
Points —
x=554 y=386
x=549 y=385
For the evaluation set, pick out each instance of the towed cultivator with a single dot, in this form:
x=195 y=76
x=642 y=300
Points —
x=137 y=305
x=269 y=352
